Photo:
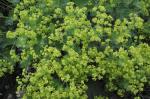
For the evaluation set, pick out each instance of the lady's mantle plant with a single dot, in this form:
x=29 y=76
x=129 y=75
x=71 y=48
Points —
x=6 y=23
x=65 y=43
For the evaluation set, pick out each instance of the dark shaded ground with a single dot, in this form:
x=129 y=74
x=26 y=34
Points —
x=8 y=87
x=97 y=88
x=8 y=84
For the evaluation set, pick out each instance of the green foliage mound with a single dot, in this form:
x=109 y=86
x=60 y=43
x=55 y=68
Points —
x=64 y=43
x=6 y=23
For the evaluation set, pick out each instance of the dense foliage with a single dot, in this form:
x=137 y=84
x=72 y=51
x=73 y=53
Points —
x=6 y=23
x=63 y=43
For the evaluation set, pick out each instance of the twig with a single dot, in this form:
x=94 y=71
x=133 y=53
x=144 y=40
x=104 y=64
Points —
x=5 y=4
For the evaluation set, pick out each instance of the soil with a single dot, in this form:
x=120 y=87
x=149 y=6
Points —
x=8 y=84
